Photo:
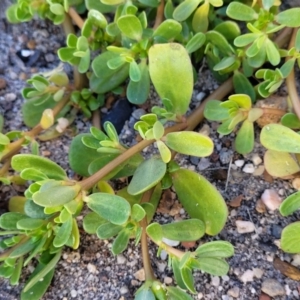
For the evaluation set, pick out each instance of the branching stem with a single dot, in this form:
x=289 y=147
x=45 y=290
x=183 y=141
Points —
x=75 y=17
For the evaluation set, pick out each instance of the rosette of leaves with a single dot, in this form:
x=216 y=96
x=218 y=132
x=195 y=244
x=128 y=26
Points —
x=263 y=22
x=54 y=10
x=90 y=152
x=87 y=101
x=273 y=79
x=44 y=94
x=237 y=109
x=41 y=225
x=282 y=157
x=200 y=18
x=187 y=142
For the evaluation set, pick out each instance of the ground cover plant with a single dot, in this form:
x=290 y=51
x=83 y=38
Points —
x=124 y=47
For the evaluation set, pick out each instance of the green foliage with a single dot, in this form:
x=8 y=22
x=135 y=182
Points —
x=117 y=50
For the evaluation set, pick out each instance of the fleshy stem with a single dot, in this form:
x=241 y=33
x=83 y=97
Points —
x=290 y=81
x=80 y=80
x=16 y=145
x=149 y=275
x=89 y=182
x=75 y=17
x=159 y=14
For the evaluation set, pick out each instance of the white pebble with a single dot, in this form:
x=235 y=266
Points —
x=200 y=96
x=163 y=255
x=239 y=163
x=248 y=168
x=271 y=199
x=296 y=260
x=168 y=280
x=244 y=226
x=215 y=280
x=247 y=276
x=121 y=259
x=124 y=290
x=170 y=242
x=73 y=293
x=140 y=275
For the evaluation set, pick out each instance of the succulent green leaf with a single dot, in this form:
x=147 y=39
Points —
x=16 y=204
x=41 y=164
x=297 y=41
x=190 y=143
x=4 y=140
x=280 y=138
x=138 y=92
x=147 y=175
x=30 y=224
x=290 y=238
x=196 y=42
x=9 y=220
x=172 y=75
x=35 y=285
x=121 y=241
x=175 y=293
x=33 y=210
x=290 y=120
x=289 y=17
x=168 y=29
x=186 y=230
x=185 y=9
x=137 y=213
x=80 y=156
x=241 y=12
x=108 y=230
x=242 y=85
x=154 y=231
x=243 y=100
x=104 y=79
x=244 y=141
x=144 y=293
x=245 y=39
x=63 y=234
x=287 y=67
x=110 y=207
x=280 y=164
x=188 y=279
x=91 y=222
x=164 y=151
x=130 y=26
x=134 y=71
x=23 y=249
x=213 y=266
x=290 y=204
x=55 y=195
x=219 y=249
x=213 y=111
x=272 y=53
x=200 y=20
x=218 y=40
x=200 y=199
x=230 y=30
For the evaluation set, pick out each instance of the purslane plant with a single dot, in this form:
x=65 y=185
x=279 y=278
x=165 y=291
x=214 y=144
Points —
x=124 y=47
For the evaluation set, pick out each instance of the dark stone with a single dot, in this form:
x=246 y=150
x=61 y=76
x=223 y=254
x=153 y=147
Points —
x=194 y=160
x=119 y=114
x=276 y=231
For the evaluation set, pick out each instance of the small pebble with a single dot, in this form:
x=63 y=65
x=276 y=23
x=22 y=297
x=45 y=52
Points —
x=256 y=159
x=140 y=275
x=2 y=83
x=10 y=97
x=234 y=292
x=138 y=113
x=258 y=273
x=244 y=226
x=215 y=281
x=272 y=287
x=296 y=183
x=259 y=171
x=239 y=163
x=168 y=280
x=91 y=268
x=163 y=255
x=247 y=276
x=200 y=96
x=296 y=260
x=271 y=199
x=203 y=164
x=225 y=156
x=73 y=293
x=121 y=259
x=248 y=168
x=171 y=242
x=124 y=290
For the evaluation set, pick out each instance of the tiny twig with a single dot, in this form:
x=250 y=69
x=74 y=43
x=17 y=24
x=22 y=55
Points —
x=96 y=119
x=75 y=17
x=159 y=14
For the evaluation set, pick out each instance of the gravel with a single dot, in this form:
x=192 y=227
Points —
x=92 y=272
